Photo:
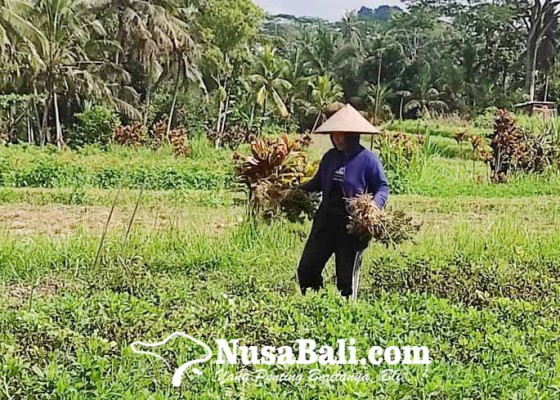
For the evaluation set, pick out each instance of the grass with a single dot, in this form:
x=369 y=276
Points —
x=105 y=197
x=240 y=284
x=26 y=166
x=435 y=127
x=480 y=287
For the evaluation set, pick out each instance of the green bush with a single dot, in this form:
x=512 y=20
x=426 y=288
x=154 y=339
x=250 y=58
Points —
x=401 y=155
x=191 y=108
x=47 y=173
x=96 y=125
x=35 y=167
x=50 y=174
x=461 y=281
x=486 y=120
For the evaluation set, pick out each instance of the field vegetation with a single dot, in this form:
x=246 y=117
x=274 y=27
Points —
x=479 y=285
x=147 y=152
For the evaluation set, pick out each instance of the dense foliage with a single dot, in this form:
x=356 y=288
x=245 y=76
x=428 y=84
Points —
x=211 y=65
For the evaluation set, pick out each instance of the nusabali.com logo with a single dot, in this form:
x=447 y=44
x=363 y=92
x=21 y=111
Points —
x=303 y=352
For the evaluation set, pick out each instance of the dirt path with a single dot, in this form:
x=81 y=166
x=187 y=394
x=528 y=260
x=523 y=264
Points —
x=24 y=219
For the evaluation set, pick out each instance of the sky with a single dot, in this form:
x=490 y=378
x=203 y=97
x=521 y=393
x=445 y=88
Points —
x=327 y=9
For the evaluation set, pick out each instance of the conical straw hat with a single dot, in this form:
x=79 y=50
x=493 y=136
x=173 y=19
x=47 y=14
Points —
x=347 y=120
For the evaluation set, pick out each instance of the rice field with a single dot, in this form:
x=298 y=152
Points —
x=480 y=286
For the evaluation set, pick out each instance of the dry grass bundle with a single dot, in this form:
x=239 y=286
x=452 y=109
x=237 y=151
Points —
x=385 y=227
x=273 y=200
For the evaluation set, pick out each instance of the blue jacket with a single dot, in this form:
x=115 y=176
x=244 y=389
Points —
x=362 y=173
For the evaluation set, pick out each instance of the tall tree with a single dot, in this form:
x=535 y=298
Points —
x=425 y=98
x=270 y=82
x=66 y=69
x=327 y=54
x=350 y=29
x=538 y=16
x=15 y=27
x=324 y=93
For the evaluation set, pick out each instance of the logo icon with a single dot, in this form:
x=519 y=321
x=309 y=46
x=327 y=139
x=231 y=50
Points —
x=179 y=371
x=339 y=174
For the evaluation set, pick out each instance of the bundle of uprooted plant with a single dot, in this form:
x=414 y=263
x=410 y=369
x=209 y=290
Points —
x=387 y=227
x=272 y=173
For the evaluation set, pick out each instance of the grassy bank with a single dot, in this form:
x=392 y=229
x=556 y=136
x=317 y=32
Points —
x=479 y=288
x=24 y=166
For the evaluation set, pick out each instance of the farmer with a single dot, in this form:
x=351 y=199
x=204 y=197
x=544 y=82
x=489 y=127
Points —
x=345 y=171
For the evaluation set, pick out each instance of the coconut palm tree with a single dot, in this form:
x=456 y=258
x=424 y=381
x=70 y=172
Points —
x=376 y=100
x=16 y=28
x=350 y=29
x=269 y=81
x=296 y=74
x=403 y=94
x=66 y=69
x=156 y=35
x=425 y=98
x=327 y=55
x=324 y=92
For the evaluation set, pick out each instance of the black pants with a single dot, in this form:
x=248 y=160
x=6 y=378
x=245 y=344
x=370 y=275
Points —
x=329 y=235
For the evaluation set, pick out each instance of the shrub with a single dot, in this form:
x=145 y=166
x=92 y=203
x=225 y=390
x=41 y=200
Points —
x=485 y=120
x=177 y=137
x=274 y=168
x=95 y=125
x=231 y=138
x=131 y=135
x=514 y=150
x=400 y=155
x=463 y=282
x=72 y=169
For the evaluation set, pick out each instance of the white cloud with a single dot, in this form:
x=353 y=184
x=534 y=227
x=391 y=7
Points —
x=328 y=9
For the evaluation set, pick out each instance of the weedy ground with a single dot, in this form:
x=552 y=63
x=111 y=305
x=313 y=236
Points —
x=480 y=286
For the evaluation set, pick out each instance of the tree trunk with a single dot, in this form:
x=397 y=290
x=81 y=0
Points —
x=401 y=108
x=44 y=127
x=226 y=109
x=30 y=136
x=59 y=138
x=537 y=27
x=251 y=118
x=263 y=114
x=148 y=95
x=316 y=123
x=120 y=18
x=533 y=76
x=36 y=111
x=546 y=88
x=175 y=91
x=529 y=71
x=220 y=111
x=171 y=115
x=378 y=87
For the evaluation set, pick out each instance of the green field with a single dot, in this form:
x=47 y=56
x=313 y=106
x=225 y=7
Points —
x=480 y=286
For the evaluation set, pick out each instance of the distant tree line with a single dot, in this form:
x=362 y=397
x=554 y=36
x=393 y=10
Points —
x=211 y=65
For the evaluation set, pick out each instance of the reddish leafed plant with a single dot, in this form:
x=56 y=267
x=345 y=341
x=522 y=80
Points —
x=272 y=173
x=131 y=135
